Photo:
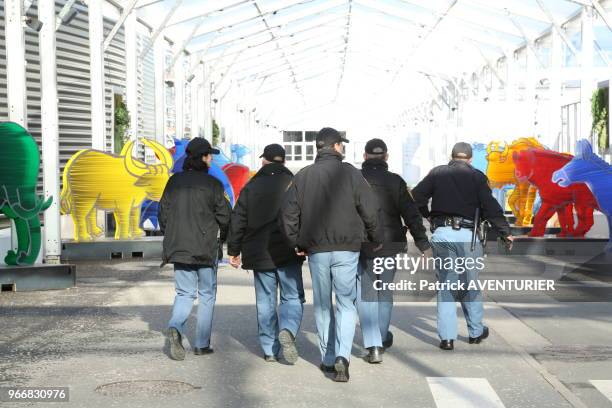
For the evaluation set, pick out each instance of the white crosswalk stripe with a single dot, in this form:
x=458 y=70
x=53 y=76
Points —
x=456 y=392
x=604 y=386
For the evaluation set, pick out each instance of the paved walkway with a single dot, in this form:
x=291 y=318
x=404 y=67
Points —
x=103 y=340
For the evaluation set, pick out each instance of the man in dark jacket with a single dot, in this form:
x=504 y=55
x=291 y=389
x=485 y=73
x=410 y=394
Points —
x=396 y=205
x=194 y=217
x=255 y=234
x=459 y=192
x=325 y=213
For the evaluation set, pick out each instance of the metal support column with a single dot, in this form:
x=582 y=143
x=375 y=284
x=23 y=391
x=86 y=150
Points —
x=50 y=130
x=530 y=91
x=131 y=74
x=15 y=62
x=96 y=61
x=159 y=51
x=179 y=95
x=587 y=79
x=207 y=102
x=555 y=88
x=194 y=89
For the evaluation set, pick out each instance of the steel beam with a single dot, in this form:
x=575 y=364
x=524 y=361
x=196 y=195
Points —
x=49 y=130
x=161 y=27
x=96 y=69
x=159 y=52
x=124 y=15
x=15 y=62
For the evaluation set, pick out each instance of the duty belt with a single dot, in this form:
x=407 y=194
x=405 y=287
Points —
x=454 y=222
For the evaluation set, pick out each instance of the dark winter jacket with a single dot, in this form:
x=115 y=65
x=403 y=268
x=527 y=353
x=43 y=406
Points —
x=395 y=204
x=194 y=216
x=329 y=206
x=457 y=189
x=254 y=230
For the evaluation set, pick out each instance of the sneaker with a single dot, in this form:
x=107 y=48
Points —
x=287 y=342
x=342 y=370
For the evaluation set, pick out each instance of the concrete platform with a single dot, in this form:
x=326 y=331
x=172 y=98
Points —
x=109 y=248
x=37 y=277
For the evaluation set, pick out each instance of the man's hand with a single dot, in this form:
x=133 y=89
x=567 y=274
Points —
x=377 y=248
x=428 y=253
x=508 y=242
x=300 y=252
x=235 y=261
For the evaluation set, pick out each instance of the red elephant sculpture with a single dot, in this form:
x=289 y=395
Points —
x=537 y=167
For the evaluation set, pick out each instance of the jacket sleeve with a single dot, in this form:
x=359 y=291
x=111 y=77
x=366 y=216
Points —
x=222 y=213
x=164 y=206
x=491 y=210
x=367 y=206
x=289 y=217
x=238 y=224
x=412 y=218
x=422 y=193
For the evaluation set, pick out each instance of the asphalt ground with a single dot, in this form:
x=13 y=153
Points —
x=103 y=340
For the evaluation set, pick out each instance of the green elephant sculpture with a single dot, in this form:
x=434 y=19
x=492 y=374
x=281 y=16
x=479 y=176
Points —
x=19 y=167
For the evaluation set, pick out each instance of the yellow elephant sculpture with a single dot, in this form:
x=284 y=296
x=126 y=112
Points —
x=500 y=172
x=94 y=180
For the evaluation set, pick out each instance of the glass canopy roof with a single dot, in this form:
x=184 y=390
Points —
x=348 y=58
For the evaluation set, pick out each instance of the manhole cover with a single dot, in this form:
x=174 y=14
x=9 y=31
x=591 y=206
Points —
x=575 y=353
x=148 y=388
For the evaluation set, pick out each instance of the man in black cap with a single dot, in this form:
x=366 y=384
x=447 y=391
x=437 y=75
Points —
x=254 y=233
x=396 y=205
x=459 y=194
x=325 y=213
x=193 y=213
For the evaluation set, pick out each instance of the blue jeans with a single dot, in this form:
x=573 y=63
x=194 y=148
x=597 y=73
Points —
x=449 y=243
x=191 y=282
x=374 y=314
x=290 y=310
x=335 y=270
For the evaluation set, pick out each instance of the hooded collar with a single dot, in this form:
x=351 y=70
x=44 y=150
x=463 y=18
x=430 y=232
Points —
x=375 y=164
x=328 y=154
x=272 y=169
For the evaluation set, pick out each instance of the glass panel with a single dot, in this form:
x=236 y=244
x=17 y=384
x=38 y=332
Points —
x=311 y=136
x=292 y=136
x=298 y=152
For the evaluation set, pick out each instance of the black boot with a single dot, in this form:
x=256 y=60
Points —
x=388 y=341
x=477 y=340
x=342 y=370
x=287 y=342
x=177 y=352
x=200 y=351
x=447 y=344
x=374 y=355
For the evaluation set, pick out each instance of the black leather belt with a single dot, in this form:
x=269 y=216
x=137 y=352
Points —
x=454 y=222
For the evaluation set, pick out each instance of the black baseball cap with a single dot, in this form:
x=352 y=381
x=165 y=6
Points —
x=273 y=152
x=376 y=146
x=329 y=137
x=462 y=150
x=199 y=145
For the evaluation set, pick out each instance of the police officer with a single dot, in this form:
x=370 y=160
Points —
x=456 y=191
x=255 y=234
x=396 y=205
x=324 y=215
